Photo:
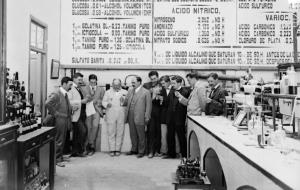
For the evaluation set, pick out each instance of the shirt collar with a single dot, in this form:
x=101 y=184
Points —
x=63 y=91
x=138 y=88
x=178 y=88
x=75 y=85
x=217 y=85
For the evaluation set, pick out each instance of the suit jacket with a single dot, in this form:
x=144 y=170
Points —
x=142 y=105
x=164 y=111
x=97 y=97
x=75 y=100
x=216 y=106
x=148 y=85
x=58 y=106
x=157 y=107
x=176 y=111
x=196 y=102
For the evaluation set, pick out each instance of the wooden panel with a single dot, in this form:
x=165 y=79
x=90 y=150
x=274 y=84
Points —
x=2 y=59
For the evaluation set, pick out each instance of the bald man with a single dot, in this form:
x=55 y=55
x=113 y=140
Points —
x=115 y=116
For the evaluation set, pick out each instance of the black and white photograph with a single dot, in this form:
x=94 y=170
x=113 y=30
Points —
x=149 y=94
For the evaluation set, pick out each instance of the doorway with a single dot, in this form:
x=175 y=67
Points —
x=37 y=80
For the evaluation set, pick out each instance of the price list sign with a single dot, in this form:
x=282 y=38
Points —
x=176 y=32
x=222 y=32
x=106 y=32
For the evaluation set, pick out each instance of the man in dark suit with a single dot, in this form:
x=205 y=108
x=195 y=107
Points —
x=59 y=107
x=216 y=100
x=153 y=76
x=176 y=116
x=138 y=114
x=166 y=92
x=154 y=132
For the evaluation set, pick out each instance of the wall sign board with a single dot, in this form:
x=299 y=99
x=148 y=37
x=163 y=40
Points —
x=176 y=32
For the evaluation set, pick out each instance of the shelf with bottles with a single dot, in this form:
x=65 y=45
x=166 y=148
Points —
x=16 y=103
x=41 y=182
x=29 y=123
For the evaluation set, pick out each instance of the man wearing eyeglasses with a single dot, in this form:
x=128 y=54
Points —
x=93 y=121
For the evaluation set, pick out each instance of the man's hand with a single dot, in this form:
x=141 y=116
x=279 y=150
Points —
x=75 y=108
x=122 y=99
x=84 y=101
x=178 y=95
x=147 y=120
x=208 y=100
x=109 y=105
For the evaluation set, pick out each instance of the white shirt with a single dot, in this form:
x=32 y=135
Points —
x=63 y=91
x=168 y=90
x=138 y=88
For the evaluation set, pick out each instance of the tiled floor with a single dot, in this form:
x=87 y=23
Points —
x=102 y=172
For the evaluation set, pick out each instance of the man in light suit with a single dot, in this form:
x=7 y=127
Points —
x=115 y=116
x=78 y=103
x=96 y=93
x=60 y=109
x=196 y=102
x=139 y=105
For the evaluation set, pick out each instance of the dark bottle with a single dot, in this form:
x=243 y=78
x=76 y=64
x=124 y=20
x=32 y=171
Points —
x=16 y=76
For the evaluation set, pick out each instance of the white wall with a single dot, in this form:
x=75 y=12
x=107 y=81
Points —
x=18 y=22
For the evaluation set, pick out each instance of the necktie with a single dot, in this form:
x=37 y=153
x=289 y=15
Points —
x=211 y=92
x=83 y=106
x=93 y=90
x=81 y=95
x=68 y=104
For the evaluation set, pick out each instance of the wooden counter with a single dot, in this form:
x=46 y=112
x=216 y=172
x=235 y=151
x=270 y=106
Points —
x=243 y=162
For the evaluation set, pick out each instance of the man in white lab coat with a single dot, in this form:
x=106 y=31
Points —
x=115 y=116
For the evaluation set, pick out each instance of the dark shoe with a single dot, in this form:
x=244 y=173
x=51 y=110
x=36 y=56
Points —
x=140 y=156
x=74 y=155
x=112 y=154
x=82 y=154
x=60 y=164
x=91 y=152
x=150 y=155
x=117 y=153
x=131 y=153
x=168 y=157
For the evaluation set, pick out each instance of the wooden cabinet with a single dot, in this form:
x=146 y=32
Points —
x=36 y=159
x=8 y=157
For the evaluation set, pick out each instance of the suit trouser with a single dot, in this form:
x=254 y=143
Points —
x=154 y=134
x=137 y=135
x=61 y=124
x=164 y=144
x=115 y=130
x=180 y=131
x=92 y=123
x=79 y=136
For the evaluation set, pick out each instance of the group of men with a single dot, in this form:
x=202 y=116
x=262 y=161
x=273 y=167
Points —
x=155 y=111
